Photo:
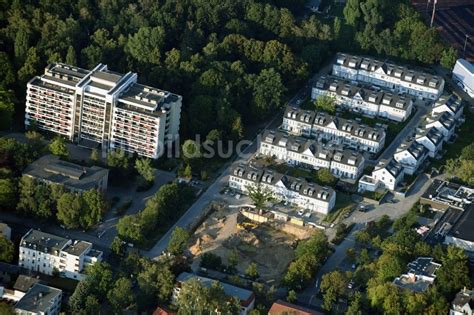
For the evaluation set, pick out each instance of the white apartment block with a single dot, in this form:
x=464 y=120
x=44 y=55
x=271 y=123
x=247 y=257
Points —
x=39 y=299
x=296 y=191
x=101 y=107
x=463 y=75
x=431 y=139
x=371 y=101
x=322 y=126
x=450 y=104
x=444 y=123
x=386 y=175
x=410 y=155
x=397 y=78
x=343 y=163
x=47 y=253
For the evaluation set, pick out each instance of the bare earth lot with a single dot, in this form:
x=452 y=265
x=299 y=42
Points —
x=269 y=248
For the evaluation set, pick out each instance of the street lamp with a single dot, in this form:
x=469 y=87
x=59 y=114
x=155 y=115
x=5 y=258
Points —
x=465 y=43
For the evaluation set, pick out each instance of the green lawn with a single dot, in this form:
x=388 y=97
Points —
x=293 y=171
x=343 y=206
x=464 y=139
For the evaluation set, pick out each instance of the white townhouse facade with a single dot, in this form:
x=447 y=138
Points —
x=343 y=163
x=322 y=126
x=444 y=123
x=296 y=191
x=99 y=107
x=48 y=253
x=431 y=139
x=397 y=78
x=410 y=155
x=371 y=101
x=450 y=104
x=463 y=303
x=386 y=175
x=463 y=75
x=349 y=133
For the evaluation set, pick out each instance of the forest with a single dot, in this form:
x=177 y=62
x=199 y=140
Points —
x=234 y=62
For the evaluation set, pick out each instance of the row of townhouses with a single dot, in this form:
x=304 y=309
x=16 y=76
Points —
x=48 y=253
x=438 y=127
x=371 y=101
x=99 y=107
x=394 y=77
x=297 y=151
x=293 y=190
x=322 y=126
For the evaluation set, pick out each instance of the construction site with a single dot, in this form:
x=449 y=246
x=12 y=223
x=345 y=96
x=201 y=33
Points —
x=267 y=243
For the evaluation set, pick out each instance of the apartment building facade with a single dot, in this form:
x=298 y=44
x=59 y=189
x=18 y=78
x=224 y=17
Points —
x=450 y=104
x=387 y=174
x=371 y=101
x=431 y=138
x=410 y=155
x=322 y=126
x=343 y=163
x=47 y=253
x=101 y=107
x=444 y=123
x=394 y=77
x=463 y=75
x=293 y=190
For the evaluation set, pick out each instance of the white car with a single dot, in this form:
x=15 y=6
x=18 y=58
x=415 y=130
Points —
x=300 y=212
x=237 y=196
x=307 y=215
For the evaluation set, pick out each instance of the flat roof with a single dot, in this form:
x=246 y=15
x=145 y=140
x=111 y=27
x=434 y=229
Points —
x=463 y=229
x=50 y=168
x=77 y=248
x=229 y=290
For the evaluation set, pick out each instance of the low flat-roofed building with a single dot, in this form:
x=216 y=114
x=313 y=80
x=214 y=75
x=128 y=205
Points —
x=280 y=307
x=421 y=274
x=23 y=283
x=463 y=75
x=5 y=230
x=50 y=169
x=462 y=232
x=441 y=195
x=246 y=297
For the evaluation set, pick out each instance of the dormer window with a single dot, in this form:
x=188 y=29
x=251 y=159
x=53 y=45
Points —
x=365 y=65
x=398 y=73
x=420 y=80
x=372 y=98
x=409 y=76
x=433 y=83
x=386 y=100
x=333 y=87
x=400 y=104
x=340 y=60
x=352 y=63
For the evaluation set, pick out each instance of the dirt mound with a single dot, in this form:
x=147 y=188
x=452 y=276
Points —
x=242 y=238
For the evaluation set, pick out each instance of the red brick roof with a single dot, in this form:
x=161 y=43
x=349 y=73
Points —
x=163 y=311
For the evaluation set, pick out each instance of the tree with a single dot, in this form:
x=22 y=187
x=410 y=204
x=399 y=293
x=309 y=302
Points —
x=211 y=261
x=324 y=177
x=7 y=108
x=292 y=297
x=389 y=266
x=28 y=70
x=233 y=258
x=121 y=295
x=252 y=271
x=259 y=195
x=6 y=309
x=333 y=285
x=8 y=194
x=95 y=155
x=191 y=150
x=118 y=159
x=156 y=281
x=71 y=56
x=129 y=228
x=93 y=207
x=144 y=168
x=8 y=71
x=146 y=44
x=118 y=246
x=6 y=249
x=386 y=298
x=453 y=274
x=268 y=91
x=70 y=207
x=355 y=306
x=178 y=241
x=448 y=58
x=325 y=103
x=59 y=148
